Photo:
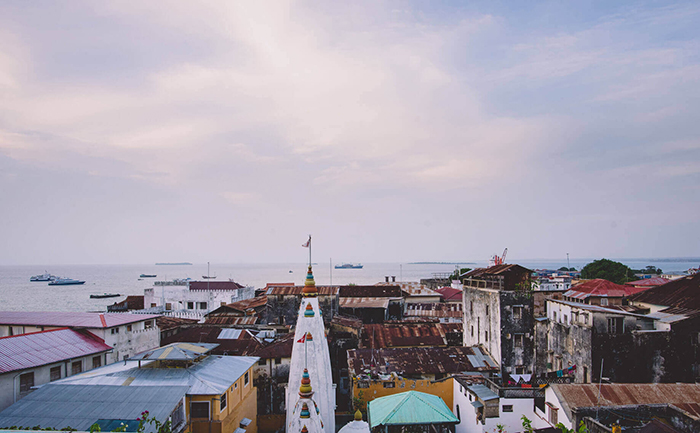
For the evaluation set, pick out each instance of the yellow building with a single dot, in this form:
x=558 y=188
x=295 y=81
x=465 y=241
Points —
x=365 y=390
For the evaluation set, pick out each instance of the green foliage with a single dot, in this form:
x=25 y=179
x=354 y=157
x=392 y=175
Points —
x=359 y=402
x=648 y=270
x=527 y=424
x=461 y=271
x=608 y=270
x=500 y=428
x=581 y=428
x=565 y=269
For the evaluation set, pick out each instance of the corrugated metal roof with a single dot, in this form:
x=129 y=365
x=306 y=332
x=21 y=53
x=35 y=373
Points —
x=419 y=360
x=434 y=309
x=177 y=352
x=412 y=288
x=231 y=320
x=619 y=394
x=71 y=319
x=230 y=334
x=611 y=309
x=450 y=293
x=497 y=270
x=58 y=406
x=40 y=348
x=600 y=287
x=245 y=344
x=167 y=322
x=681 y=292
x=410 y=407
x=652 y=282
x=282 y=348
x=379 y=336
x=483 y=392
x=215 y=285
x=364 y=303
x=211 y=376
x=390 y=291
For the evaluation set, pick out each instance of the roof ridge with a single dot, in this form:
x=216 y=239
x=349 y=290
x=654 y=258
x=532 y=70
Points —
x=36 y=332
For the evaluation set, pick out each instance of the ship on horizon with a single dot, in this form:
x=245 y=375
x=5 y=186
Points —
x=349 y=266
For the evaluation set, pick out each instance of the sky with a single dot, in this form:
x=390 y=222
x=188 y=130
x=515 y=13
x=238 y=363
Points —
x=222 y=131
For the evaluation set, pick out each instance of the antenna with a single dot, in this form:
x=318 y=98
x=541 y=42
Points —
x=568 y=265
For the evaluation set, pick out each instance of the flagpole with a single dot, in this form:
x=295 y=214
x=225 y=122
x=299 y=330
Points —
x=309 y=250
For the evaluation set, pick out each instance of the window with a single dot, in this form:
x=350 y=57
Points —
x=246 y=379
x=128 y=328
x=554 y=315
x=222 y=303
x=389 y=385
x=278 y=360
x=459 y=417
x=518 y=340
x=363 y=384
x=190 y=305
x=202 y=305
x=115 y=331
x=585 y=319
x=615 y=325
x=153 y=304
x=487 y=310
x=261 y=361
x=517 y=312
x=76 y=367
x=472 y=330
x=222 y=402
x=566 y=319
x=471 y=306
x=168 y=306
x=507 y=408
x=603 y=301
x=96 y=361
x=55 y=373
x=26 y=382
x=199 y=409
x=148 y=324
x=553 y=414
x=486 y=335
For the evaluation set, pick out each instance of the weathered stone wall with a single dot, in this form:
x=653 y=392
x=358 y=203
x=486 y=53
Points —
x=517 y=331
x=482 y=322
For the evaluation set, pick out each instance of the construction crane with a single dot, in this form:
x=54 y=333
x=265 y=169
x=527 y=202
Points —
x=495 y=260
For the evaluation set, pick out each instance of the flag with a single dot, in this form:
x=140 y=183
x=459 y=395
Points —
x=302 y=339
x=307 y=244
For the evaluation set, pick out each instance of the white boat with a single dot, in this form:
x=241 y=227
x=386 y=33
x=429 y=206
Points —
x=43 y=277
x=65 y=282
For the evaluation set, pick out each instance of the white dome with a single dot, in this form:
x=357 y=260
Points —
x=355 y=427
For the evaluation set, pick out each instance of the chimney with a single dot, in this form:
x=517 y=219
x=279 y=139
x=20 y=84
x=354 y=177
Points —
x=393 y=278
x=386 y=279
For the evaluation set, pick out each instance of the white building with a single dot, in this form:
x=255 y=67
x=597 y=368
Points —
x=45 y=357
x=128 y=334
x=196 y=297
x=480 y=409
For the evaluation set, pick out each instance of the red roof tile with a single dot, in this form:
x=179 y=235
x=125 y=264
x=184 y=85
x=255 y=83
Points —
x=24 y=351
x=450 y=294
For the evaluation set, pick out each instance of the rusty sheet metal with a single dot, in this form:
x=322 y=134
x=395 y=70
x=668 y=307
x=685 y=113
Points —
x=619 y=394
x=24 y=351
x=434 y=309
x=215 y=285
x=244 y=344
x=71 y=319
x=231 y=320
x=414 y=361
x=385 y=335
x=166 y=323
x=349 y=321
x=496 y=270
x=296 y=290
x=246 y=304
x=450 y=293
x=682 y=292
x=376 y=291
x=282 y=348
x=364 y=303
x=649 y=282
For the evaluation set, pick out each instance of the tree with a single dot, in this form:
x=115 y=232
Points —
x=608 y=270
x=456 y=275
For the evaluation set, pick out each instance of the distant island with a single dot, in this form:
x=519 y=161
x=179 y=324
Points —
x=173 y=264
x=441 y=263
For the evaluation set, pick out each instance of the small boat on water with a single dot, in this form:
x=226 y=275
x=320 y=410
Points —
x=207 y=277
x=147 y=276
x=106 y=295
x=43 y=277
x=349 y=266
x=65 y=282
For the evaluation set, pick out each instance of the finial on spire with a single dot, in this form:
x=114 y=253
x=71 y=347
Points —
x=358 y=415
x=305 y=411
x=305 y=390
x=304 y=429
x=309 y=312
x=309 y=337
x=309 y=284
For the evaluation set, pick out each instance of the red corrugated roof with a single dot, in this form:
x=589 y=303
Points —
x=450 y=293
x=71 y=319
x=25 y=351
x=651 y=282
x=601 y=287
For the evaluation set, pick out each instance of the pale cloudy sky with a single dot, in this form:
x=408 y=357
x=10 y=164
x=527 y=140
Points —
x=135 y=132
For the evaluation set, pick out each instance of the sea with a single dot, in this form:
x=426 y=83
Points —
x=17 y=293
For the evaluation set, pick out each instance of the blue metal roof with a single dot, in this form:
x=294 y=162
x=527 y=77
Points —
x=80 y=406
x=483 y=392
x=410 y=407
x=177 y=351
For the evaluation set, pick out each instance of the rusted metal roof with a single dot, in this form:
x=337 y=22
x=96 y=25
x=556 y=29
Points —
x=364 y=303
x=24 y=351
x=601 y=288
x=282 y=348
x=648 y=282
x=434 y=309
x=243 y=344
x=349 y=321
x=682 y=292
x=619 y=394
x=215 y=285
x=166 y=323
x=413 y=289
x=450 y=293
x=379 y=336
x=241 y=307
x=497 y=270
x=376 y=291
x=132 y=302
x=296 y=290
x=419 y=360
x=71 y=319
x=231 y=320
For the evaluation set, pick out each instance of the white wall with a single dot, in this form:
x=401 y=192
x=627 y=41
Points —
x=129 y=343
x=551 y=399
x=180 y=296
x=9 y=382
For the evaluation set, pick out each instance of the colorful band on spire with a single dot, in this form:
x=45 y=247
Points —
x=309 y=284
x=309 y=312
x=305 y=390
